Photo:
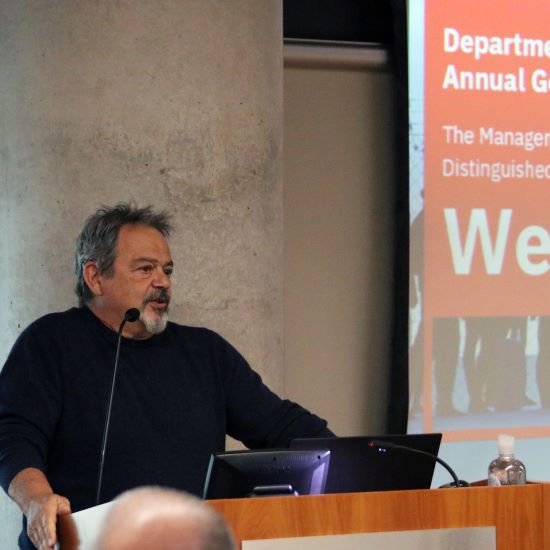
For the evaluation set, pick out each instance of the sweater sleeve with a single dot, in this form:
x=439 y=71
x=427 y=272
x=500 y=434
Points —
x=257 y=416
x=29 y=404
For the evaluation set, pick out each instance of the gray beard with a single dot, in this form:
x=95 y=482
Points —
x=155 y=326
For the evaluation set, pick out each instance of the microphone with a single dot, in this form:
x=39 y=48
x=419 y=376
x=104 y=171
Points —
x=130 y=316
x=383 y=445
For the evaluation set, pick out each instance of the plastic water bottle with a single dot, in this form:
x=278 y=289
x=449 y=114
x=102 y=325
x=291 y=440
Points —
x=506 y=469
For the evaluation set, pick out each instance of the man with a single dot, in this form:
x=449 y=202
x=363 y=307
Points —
x=149 y=518
x=179 y=389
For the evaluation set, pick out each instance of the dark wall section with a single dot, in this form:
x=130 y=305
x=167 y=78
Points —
x=340 y=20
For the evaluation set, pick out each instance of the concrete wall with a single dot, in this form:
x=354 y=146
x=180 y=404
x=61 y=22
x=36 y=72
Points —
x=171 y=102
x=338 y=207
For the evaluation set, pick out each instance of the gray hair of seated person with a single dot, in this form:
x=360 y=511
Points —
x=97 y=241
x=146 y=513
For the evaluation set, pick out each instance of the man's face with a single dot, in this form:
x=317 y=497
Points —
x=140 y=278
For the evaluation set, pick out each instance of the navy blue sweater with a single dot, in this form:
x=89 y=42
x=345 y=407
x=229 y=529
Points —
x=177 y=395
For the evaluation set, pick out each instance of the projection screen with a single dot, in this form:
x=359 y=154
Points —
x=479 y=164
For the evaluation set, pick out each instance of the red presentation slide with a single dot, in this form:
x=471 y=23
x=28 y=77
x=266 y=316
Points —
x=487 y=172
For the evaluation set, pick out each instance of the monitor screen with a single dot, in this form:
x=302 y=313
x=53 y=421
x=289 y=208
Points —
x=240 y=474
x=357 y=466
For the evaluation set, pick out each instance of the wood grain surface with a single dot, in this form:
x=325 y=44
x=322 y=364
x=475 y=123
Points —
x=521 y=519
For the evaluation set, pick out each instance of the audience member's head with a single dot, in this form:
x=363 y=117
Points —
x=149 y=518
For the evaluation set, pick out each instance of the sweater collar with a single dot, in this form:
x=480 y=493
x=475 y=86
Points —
x=109 y=334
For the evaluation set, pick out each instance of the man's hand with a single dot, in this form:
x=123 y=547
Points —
x=42 y=518
x=33 y=494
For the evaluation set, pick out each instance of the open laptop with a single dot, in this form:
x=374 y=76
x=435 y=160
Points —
x=356 y=465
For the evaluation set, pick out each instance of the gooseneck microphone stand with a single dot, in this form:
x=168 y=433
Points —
x=129 y=317
x=382 y=445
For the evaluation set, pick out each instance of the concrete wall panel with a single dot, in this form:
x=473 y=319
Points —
x=175 y=103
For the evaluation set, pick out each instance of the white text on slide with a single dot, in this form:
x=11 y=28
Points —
x=532 y=245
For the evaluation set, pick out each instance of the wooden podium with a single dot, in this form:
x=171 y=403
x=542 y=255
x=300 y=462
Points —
x=521 y=514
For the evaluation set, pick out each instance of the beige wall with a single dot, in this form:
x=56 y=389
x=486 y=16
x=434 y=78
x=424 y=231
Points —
x=338 y=212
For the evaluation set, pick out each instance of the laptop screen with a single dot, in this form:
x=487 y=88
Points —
x=356 y=465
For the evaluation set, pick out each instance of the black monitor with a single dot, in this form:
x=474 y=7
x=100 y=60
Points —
x=240 y=474
x=358 y=465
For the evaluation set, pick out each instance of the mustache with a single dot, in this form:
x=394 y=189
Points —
x=159 y=295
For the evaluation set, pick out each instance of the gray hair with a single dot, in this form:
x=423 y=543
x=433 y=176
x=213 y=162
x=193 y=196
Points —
x=98 y=239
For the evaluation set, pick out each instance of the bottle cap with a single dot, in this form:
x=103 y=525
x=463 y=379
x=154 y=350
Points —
x=506 y=444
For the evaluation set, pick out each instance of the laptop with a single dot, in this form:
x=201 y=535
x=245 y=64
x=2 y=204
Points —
x=356 y=465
